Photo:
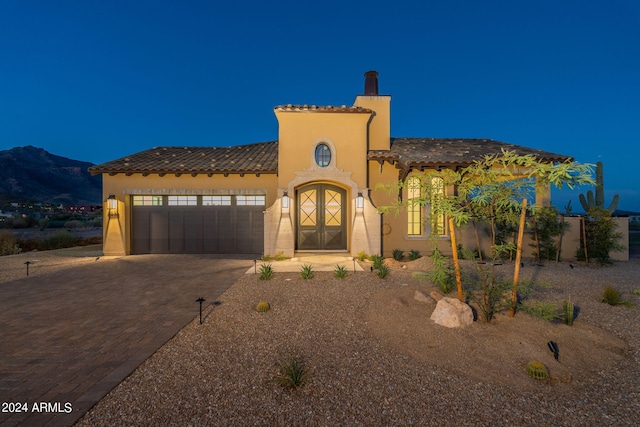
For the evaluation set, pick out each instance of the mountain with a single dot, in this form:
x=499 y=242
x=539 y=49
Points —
x=33 y=173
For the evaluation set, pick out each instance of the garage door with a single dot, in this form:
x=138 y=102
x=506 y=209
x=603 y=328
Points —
x=213 y=224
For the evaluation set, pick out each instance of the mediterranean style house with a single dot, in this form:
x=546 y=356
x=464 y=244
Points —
x=314 y=189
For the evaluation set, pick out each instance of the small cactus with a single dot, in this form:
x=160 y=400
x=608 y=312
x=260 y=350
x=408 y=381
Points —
x=568 y=310
x=263 y=307
x=537 y=370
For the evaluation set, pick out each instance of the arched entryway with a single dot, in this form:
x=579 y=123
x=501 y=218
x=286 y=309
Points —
x=321 y=218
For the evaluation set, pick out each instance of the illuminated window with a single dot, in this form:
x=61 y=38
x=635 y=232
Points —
x=414 y=209
x=216 y=200
x=147 y=200
x=250 y=200
x=183 y=200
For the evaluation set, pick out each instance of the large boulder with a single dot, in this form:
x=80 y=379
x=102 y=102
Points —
x=452 y=313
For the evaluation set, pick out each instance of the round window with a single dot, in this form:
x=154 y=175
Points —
x=323 y=155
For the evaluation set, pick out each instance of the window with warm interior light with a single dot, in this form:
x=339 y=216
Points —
x=414 y=209
x=147 y=200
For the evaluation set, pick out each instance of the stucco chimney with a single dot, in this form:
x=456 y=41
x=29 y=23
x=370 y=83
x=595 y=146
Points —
x=371 y=83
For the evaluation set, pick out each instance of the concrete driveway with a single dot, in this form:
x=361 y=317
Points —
x=69 y=334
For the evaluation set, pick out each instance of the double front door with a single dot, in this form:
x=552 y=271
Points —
x=321 y=219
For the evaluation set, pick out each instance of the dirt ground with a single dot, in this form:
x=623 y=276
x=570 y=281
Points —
x=497 y=352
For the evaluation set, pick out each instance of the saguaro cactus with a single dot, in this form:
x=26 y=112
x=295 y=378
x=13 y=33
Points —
x=589 y=202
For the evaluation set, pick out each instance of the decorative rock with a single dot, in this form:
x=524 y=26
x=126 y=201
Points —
x=420 y=296
x=398 y=302
x=437 y=296
x=452 y=313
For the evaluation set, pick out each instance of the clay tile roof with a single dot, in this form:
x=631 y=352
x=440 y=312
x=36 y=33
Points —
x=449 y=152
x=324 y=108
x=251 y=158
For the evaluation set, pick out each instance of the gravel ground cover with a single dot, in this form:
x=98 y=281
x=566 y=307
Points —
x=375 y=357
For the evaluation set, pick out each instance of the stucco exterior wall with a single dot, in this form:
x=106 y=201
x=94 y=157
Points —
x=300 y=132
x=380 y=126
x=117 y=229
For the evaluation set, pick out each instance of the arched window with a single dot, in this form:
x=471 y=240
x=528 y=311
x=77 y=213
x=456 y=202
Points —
x=323 y=155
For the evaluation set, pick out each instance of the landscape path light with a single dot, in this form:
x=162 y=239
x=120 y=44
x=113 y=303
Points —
x=27 y=264
x=200 y=300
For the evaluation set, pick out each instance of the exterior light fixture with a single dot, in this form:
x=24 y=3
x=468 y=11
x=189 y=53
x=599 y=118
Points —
x=200 y=300
x=112 y=205
x=359 y=202
x=285 y=202
x=27 y=264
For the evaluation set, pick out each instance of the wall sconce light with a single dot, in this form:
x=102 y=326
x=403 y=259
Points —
x=359 y=202
x=112 y=205
x=285 y=202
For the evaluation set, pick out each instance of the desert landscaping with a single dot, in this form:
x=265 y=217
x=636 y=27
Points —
x=374 y=357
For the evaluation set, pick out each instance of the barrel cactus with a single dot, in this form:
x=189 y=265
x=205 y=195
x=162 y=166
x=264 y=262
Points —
x=537 y=370
x=568 y=310
x=263 y=307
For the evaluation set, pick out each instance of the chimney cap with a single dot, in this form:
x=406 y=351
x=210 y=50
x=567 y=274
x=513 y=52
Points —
x=371 y=83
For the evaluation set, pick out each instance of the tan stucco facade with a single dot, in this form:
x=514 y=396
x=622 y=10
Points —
x=117 y=226
x=348 y=134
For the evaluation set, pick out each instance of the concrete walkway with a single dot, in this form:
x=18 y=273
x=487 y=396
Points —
x=68 y=336
x=320 y=261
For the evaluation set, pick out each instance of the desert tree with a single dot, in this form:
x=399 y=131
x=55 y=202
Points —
x=491 y=191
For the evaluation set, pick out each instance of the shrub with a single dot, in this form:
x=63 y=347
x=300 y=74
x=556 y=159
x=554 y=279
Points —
x=541 y=309
x=266 y=272
x=362 y=255
x=442 y=274
x=306 y=272
x=74 y=223
x=8 y=244
x=61 y=239
x=397 y=254
x=382 y=271
x=601 y=237
x=414 y=254
x=545 y=228
x=376 y=260
x=420 y=275
x=293 y=374
x=612 y=296
x=489 y=292
x=466 y=253
x=340 y=271
x=279 y=256
x=637 y=292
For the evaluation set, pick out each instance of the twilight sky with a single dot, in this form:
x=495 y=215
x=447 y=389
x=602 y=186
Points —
x=97 y=80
